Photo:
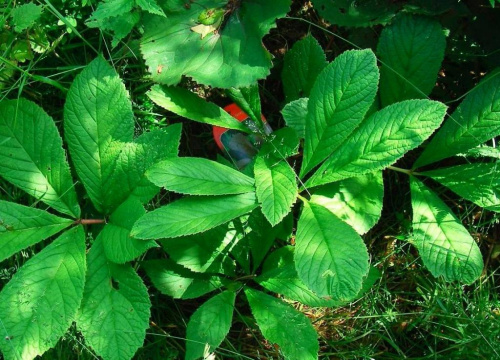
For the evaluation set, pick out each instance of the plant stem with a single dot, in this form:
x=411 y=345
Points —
x=89 y=221
x=404 y=171
x=303 y=199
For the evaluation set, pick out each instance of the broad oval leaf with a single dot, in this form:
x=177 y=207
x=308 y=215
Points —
x=276 y=188
x=115 y=309
x=209 y=325
x=189 y=105
x=411 y=50
x=198 y=176
x=340 y=98
x=40 y=302
x=229 y=55
x=381 y=139
x=280 y=276
x=357 y=201
x=23 y=226
x=192 y=215
x=330 y=257
x=32 y=156
x=98 y=122
x=478 y=182
x=445 y=245
x=301 y=66
x=475 y=121
x=282 y=324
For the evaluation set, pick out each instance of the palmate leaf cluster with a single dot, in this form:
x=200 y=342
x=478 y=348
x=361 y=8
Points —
x=227 y=235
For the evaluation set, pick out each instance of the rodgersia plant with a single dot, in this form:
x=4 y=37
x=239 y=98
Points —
x=231 y=233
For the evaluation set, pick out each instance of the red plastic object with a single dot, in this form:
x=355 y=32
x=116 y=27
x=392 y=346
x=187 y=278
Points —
x=237 y=145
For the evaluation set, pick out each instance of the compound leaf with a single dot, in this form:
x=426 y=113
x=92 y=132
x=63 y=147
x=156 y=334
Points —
x=32 y=156
x=357 y=201
x=98 y=122
x=192 y=215
x=198 y=176
x=475 y=121
x=411 y=50
x=340 y=98
x=301 y=66
x=115 y=310
x=478 y=182
x=23 y=226
x=186 y=104
x=229 y=55
x=40 y=302
x=209 y=325
x=276 y=188
x=330 y=257
x=282 y=324
x=381 y=139
x=446 y=247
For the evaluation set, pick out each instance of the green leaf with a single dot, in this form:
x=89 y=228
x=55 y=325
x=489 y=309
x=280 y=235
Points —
x=282 y=324
x=248 y=99
x=25 y=16
x=23 y=226
x=477 y=182
x=149 y=149
x=174 y=280
x=357 y=201
x=231 y=55
x=40 y=302
x=340 y=98
x=381 y=139
x=276 y=188
x=192 y=215
x=411 y=50
x=301 y=66
x=203 y=252
x=198 y=176
x=32 y=156
x=354 y=13
x=280 y=276
x=476 y=120
x=330 y=257
x=111 y=8
x=295 y=114
x=280 y=145
x=119 y=246
x=98 y=122
x=446 y=247
x=150 y=6
x=209 y=325
x=186 y=104
x=115 y=310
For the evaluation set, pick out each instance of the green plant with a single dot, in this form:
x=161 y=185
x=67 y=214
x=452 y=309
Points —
x=62 y=283
x=231 y=237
